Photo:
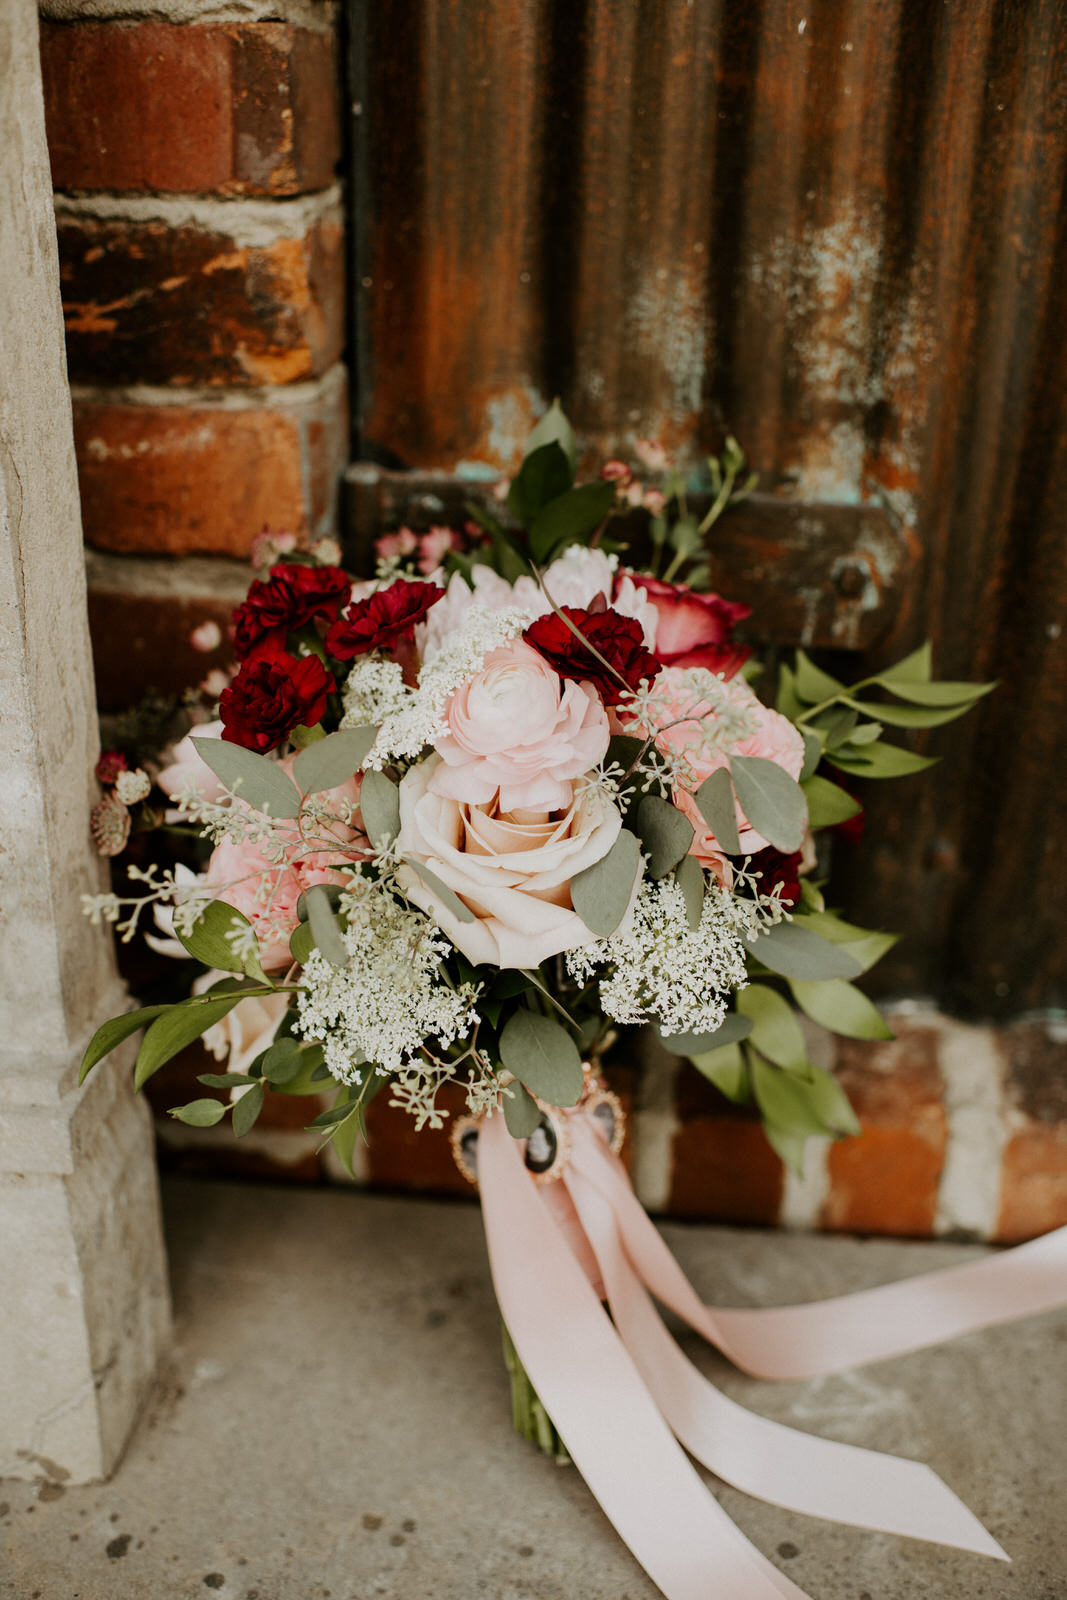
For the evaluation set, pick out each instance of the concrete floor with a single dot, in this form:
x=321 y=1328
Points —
x=334 y=1426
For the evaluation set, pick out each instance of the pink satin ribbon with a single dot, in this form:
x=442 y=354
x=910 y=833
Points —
x=622 y=1394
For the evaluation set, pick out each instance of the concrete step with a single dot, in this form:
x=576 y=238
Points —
x=334 y=1425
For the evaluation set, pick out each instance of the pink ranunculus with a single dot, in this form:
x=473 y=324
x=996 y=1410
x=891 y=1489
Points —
x=771 y=737
x=186 y=767
x=693 y=629
x=517 y=731
x=513 y=869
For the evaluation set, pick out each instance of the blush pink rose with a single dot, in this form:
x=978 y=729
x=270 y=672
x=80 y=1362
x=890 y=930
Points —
x=512 y=869
x=517 y=732
x=771 y=737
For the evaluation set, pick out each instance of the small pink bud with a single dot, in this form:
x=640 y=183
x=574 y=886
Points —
x=394 y=546
x=635 y=494
x=110 y=764
x=205 y=638
x=433 y=547
x=655 y=501
x=616 y=472
x=651 y=455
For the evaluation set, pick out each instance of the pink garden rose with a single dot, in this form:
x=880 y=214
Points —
x=693 y=629
x=515 y=730
x=513 y=869
x=771 y=736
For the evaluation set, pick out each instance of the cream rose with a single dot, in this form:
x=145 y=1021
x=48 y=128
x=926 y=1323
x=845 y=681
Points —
x=513 y=870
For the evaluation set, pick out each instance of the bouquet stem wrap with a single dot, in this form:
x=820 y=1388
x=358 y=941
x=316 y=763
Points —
x=625 y=1399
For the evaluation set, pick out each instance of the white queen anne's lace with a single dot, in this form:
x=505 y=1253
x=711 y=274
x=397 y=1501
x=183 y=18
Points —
x=374 y=689
x=657 y=968
x=391 y=998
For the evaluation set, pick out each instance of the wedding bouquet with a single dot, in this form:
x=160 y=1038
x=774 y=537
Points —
x=473 y=817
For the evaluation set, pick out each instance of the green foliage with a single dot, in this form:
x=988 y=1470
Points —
x=112 y=1033
x=545 y=474
x=842 y=1008
x=776 y=1033
x=715 y=802
x=794 y=951
x=543 y=1056
x=247 y=1108
x=771 y=800
x=208 y=940
x=726 y=1069
x=199 y=1113
x=177 y=1027
x=601 y=893
x=733 y=1027
x=568 y=519
x=521 y=1111
x=379 y=805
x=689 y=876
x=324 y=927
x=828 y=804
x=664 y=832
x=330 y=762
x=260 y=783
x=554 y=428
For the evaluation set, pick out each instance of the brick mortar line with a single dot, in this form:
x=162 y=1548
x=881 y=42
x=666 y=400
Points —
x=313 y=15
x=272 y=397
x=180 y=577
x=251 y=221
x=976 y=1111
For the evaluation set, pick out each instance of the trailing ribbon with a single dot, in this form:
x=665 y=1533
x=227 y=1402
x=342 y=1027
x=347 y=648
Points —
x=625 y=1399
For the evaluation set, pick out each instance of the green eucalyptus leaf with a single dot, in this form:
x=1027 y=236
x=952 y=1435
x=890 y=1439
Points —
x=521 y=1111
x=282 y=1062
x=812 y=684
x=330 y=762
x=879 y=761
x=787 y=702
x=260 y=783
x=772 y=801
x=301 y=943
x=776 y=1033
x=224 y=1080
x=601 y=894
x=726 y=1069
x=448 y=897
x=178 y=1026
x=302 y=736
x=570 y=517
x=554 y=428
x=199 y=1113
x=247 y=1108
x=543 y=1056
x=689 y=876
x=379 y=804
x=828 y=804
x=732 y=1028
x=842 y=1008
x=664 y=831
x=715 y=802
x=796 y=952
x=324 y=928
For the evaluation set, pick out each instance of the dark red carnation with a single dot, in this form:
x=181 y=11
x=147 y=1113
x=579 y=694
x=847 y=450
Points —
x=272 y=694
x=619 y=640
x=293 y=596
x=693 y=629
x=776 y=868
x=382 y=620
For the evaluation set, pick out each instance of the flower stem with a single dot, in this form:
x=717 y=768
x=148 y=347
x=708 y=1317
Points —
x=528 y=1415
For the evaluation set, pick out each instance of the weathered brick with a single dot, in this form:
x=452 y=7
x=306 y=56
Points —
x=205 y=479
x=887 y=1180
x=1033 y=1185
x=145 y=302
x=400 y=1158
x=723 y=1169
x=243 y=108
x=141 y=643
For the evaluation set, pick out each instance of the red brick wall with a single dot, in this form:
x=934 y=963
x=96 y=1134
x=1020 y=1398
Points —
x=201 y=237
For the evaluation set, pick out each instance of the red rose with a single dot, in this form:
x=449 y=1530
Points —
x=776 y=868
x=272 y=693
x=618 y=639
x=382 y=620
x=693 y=630
x=294 y=596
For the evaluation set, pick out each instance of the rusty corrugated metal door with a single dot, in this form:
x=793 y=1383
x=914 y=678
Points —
x=836 y=228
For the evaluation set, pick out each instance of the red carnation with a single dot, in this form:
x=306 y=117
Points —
x=774 y=867
x=110 y=764
x=272 y=693
x=618 y=639
x=693 y=629
x=382 y=620
x=294 y=596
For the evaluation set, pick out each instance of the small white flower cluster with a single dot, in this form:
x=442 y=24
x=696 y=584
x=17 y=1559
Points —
x=419 y=721
x=660 y=969
x=133 y=786
x=374 y=689
x=393 y=995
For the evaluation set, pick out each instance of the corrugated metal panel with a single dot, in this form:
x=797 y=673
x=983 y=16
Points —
x=836 y=228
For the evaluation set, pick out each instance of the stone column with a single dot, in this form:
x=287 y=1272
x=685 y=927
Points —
x=83 y=1289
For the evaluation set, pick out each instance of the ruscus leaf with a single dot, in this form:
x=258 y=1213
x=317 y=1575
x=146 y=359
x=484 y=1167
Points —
x=178 y=1026
x=812 y=684
x=776 y=1033
x=726 y=1069
x=828 y=803
x=246 y=1109
x=112 y=1033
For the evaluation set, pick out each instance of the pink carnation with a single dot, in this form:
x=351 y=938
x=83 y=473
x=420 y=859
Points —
x=515 y=731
